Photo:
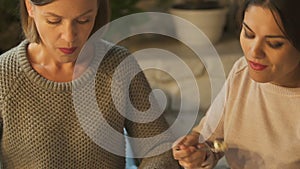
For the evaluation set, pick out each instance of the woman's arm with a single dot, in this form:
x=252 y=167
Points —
x=145 y=124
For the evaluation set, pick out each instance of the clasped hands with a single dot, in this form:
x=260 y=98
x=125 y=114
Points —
x=191 y=154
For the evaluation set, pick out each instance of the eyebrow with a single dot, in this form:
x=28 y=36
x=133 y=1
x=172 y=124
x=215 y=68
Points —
x=55 y=15
x=267 y=36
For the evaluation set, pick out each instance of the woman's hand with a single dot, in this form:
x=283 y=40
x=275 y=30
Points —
x=187 y=151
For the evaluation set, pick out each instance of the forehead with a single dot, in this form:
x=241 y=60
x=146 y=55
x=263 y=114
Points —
x=262 y=18
x=69 y=8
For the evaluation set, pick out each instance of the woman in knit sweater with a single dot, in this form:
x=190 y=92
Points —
x=58 y=114
x=259 y=106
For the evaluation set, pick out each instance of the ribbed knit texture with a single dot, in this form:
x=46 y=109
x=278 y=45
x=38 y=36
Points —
x=260 y=122
x=41 y=130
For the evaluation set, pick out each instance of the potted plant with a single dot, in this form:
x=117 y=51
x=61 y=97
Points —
x=10 y=31
x=208 y=15
x=199 y=4
x=123 y=8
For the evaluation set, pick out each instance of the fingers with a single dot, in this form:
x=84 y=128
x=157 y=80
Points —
x=178 y=142
x=188 y=151
x=195 y=160
x=191 y=140
x=196 y=156
x=183 y=151
x=187 y=145
x=209 y=162
x=190 y=157
x=187 y=165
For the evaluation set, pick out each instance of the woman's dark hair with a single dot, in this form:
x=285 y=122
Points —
x=29 y=27
x=288 y=12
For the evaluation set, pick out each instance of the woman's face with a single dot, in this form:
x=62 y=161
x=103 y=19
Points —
x=270 y=56
x=64 y=26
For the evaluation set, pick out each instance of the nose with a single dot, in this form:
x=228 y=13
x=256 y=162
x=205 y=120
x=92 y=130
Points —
x=257 y=50
x=69 y=32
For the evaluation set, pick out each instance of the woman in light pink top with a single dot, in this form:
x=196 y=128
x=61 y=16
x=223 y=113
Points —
x=260 y=102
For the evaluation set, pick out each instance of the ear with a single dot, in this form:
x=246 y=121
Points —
x=29 y=7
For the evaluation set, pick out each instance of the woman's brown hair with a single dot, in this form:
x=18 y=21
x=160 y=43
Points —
x=288 y=12
x=29 y=28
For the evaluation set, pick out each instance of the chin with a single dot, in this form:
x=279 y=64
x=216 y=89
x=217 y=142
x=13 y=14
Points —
x=259 y=78
x=68 y=60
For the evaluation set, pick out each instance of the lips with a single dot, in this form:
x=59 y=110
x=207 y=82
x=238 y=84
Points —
x=68 y=51
x=257 y=66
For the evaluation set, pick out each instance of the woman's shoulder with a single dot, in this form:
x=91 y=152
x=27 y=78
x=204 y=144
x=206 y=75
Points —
x=115 y=52
x=8 y=60
x=240 y=66
x=239 y=72
x=114 y=56
x=118 y=62
x=11 y=55
x=9 y=63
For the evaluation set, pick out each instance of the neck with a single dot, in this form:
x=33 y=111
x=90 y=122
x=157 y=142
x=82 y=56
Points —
x=48 y=66
x=292 y=80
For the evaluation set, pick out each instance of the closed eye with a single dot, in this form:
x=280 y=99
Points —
x=83 y=21
x=248 y=34
x=53 y=22
x=275 y=45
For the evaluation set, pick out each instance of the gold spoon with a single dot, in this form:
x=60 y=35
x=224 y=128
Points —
x=218 y=146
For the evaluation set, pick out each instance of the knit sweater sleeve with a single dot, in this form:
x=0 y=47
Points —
x=144 y=122
x=149 y=124
x=8 y=76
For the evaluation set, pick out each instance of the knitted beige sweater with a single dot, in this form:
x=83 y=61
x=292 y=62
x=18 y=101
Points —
x=260 y=122
x=41 y=130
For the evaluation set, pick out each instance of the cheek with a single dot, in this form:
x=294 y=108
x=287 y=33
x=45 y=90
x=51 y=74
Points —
x=285 y=63
x=90 y=27
x=290 y=56
x=40 y=29
x=43 y=29
x=244 y=45
x=294 y=61
x=47 y=33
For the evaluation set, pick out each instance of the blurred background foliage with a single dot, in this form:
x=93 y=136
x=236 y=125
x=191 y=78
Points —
x=123 y=7
x=10 y=28
x=9 y=7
